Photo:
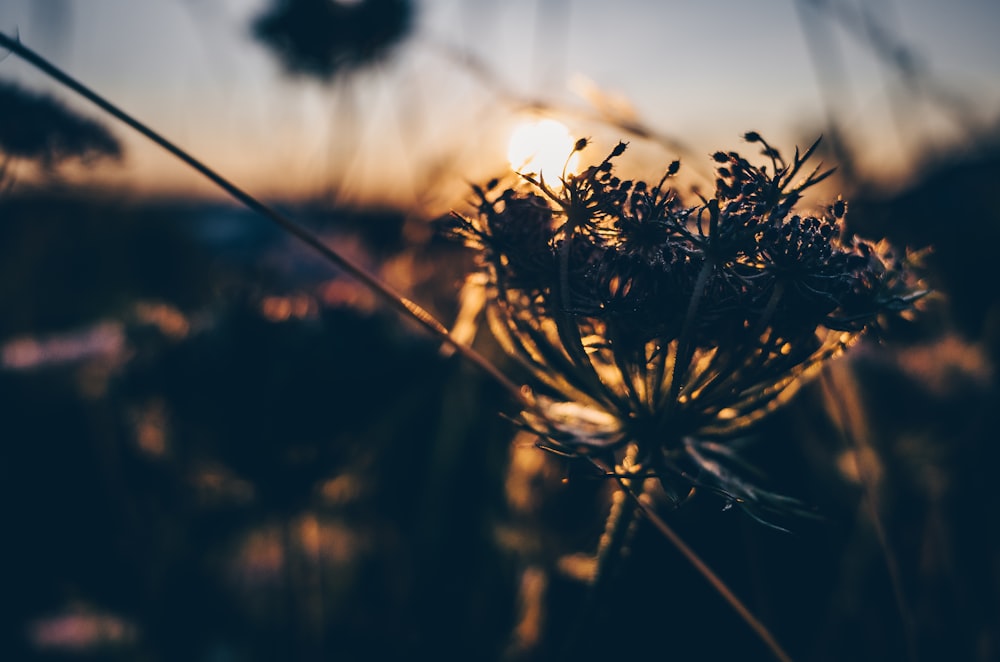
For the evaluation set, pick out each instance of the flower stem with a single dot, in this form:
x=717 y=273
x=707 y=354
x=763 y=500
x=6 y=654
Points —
x=684 y=352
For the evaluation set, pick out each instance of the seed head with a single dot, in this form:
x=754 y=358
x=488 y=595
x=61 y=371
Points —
x=671 y=327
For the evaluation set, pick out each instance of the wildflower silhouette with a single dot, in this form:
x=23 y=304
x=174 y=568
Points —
x=658 y=330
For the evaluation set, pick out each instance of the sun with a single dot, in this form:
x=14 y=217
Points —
x=542 y=147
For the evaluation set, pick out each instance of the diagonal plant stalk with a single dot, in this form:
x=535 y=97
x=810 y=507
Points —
x=720 y=587
x=642 y=506
x=401 y=304
x=389 y=295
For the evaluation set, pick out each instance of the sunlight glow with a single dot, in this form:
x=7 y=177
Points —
x=542 y=147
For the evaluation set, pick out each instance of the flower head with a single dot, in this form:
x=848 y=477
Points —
x=669 y=327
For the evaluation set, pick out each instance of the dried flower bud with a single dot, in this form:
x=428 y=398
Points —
x=839 y=209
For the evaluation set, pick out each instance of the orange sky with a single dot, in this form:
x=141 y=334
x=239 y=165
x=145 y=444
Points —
x=417 y=128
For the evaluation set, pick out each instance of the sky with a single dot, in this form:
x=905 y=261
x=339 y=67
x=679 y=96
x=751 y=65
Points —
x=437 y=114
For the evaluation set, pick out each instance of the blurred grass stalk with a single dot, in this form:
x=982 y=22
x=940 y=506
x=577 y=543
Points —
x=388 y=294
x=841 y=392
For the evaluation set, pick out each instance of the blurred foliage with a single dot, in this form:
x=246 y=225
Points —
x=327 y=38
x=949 y=208
x=68 y=259
x=39 y=128
x=163 y=493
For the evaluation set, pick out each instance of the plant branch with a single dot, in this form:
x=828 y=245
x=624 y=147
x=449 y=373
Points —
x=402 y=304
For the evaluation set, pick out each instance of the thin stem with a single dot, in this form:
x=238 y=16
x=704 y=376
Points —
x=402 y=304
x=727 y=594
x=759 y=628
x=566 y=326
x=683 y=354
x=721 y=374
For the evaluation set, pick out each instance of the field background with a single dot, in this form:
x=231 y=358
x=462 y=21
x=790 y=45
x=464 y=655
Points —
x=214 y=446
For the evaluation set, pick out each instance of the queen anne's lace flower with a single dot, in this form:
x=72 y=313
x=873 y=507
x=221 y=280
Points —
x=670 y=327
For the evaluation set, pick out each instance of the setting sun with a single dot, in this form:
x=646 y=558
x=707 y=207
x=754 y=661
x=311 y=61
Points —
x=542 y=147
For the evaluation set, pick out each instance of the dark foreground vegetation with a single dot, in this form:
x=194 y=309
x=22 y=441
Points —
x=210 y=455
